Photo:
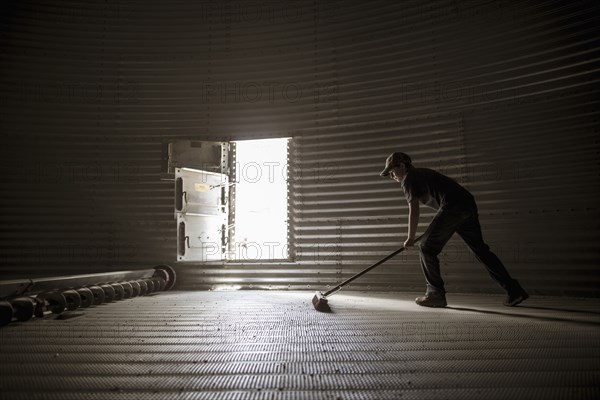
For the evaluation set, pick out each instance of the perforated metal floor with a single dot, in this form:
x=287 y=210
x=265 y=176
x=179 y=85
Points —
x=274 y=345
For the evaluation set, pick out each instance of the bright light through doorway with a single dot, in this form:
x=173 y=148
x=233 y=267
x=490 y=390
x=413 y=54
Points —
x=261 y=214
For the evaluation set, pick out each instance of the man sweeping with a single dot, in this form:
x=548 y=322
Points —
x=456 y=212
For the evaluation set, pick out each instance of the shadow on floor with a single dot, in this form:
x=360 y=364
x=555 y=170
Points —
x=562 y=310
x=531 y=316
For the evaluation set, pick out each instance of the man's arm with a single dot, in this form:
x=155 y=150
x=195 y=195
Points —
x=413 y=221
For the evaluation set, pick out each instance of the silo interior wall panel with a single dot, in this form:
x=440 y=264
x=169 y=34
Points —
x=500 y=95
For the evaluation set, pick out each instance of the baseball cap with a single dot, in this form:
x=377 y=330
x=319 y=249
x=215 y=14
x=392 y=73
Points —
x=393 y=161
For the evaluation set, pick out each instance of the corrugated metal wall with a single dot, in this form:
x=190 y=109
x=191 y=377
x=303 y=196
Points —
x=501 y=95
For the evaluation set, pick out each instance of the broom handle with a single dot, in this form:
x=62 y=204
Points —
x=361 y=273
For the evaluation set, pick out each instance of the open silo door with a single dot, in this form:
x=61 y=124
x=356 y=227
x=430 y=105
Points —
x=201 y=209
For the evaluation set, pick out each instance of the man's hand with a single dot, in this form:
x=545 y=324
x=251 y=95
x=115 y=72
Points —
x=409 y=242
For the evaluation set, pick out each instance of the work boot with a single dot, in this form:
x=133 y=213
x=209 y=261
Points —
x=515 y=297
x=432 y=300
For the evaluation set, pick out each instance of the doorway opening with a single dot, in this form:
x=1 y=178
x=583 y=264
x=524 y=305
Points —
x=259 y=212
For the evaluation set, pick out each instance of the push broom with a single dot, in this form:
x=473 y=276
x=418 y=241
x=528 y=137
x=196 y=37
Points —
x=320 y=299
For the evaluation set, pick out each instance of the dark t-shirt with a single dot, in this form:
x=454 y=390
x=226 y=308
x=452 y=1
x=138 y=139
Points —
x=436 y=190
